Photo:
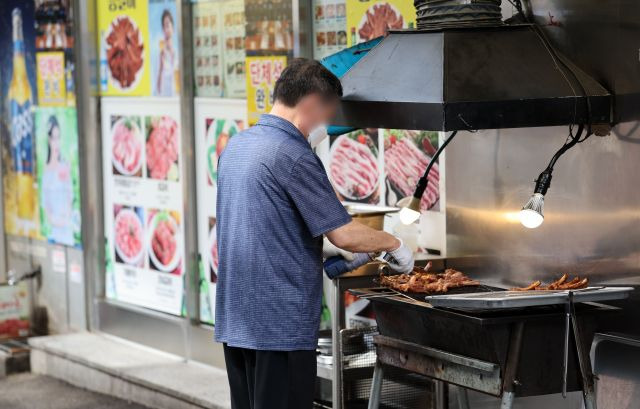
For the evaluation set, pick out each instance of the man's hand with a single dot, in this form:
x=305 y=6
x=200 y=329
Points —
x=403 y=259
x=330 y=250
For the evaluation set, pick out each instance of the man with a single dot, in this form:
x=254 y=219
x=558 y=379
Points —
x=275 y=203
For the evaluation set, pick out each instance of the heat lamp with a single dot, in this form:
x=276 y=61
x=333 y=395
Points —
x=532 y=213
x=410 y=205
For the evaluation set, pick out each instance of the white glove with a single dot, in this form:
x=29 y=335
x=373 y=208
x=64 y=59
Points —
x=330 y=250
x=402 y=258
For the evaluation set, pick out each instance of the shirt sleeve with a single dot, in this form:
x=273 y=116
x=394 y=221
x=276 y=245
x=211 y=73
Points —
x=313 y=195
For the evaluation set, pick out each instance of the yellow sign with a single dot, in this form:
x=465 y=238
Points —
x=262 y=74
x=124 y=47
x=52 y=90
x=370 y=19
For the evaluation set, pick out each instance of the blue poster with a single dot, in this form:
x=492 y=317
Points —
x=164 y=48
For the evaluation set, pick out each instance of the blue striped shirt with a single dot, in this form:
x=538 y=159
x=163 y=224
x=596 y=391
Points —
x=274 y=204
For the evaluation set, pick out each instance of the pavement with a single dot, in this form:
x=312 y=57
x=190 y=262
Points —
x=30 y=391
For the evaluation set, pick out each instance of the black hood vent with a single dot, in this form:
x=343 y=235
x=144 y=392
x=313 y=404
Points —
x=467 y=78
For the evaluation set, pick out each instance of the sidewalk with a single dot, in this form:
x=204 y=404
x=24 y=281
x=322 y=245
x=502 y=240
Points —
x=129 y=371
x=30 y=391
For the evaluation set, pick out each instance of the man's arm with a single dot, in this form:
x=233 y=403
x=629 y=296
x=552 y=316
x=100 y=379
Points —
x=358 y=238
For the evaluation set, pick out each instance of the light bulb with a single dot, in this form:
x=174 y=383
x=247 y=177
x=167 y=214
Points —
x=408 y=216
x=410 y=210
x=532 y=214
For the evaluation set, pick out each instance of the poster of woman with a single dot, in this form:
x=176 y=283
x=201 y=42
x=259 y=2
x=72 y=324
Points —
x=164 y=48
x=58 y=175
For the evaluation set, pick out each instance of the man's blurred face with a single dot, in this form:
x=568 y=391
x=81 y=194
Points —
x=316 y=110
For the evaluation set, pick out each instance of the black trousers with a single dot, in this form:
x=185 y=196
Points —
x=270 y=379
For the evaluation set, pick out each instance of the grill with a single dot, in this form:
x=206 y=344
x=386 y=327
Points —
x=506 y=353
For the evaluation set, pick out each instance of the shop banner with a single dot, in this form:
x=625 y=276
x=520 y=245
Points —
x=17 y=99
x=124 y=47
x=370 y=19
x=262 y=74
x=217 y=120
x=164 y=48
x=52 y=87
x=57 y=173
x=219 y=54
x=143 y=202
x=329 y=27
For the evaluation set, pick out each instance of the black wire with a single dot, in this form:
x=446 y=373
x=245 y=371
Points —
x=573 y=142
x=424 y=180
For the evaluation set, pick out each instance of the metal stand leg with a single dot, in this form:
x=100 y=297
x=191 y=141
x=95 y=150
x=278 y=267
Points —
x=337 y=318
x=510 y=381
x=376 y=386
x=588 y=387
x=463 y=398
x=441 y=395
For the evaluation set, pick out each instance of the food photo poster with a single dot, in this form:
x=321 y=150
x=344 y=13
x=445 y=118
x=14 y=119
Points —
x=217 y=121
x=57 y=171
x=164 y=48
x=370 y=19
x=143 y=202
x=380 y=167
x=18 y=93
x=124 y=47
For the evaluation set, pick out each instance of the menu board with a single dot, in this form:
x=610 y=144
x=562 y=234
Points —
x=269 y=26
x=143 y=202
x=329 y=27
x=124 y=47
x=216 y=121
x=218 y=35
x=233 y=35
x=164 y=48
x=369 y=19
x=207 y=49
x=262 y=74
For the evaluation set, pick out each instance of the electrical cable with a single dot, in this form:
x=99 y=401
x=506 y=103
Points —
x=424 y=181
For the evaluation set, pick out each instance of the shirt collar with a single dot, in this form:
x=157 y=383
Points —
x=280 y=123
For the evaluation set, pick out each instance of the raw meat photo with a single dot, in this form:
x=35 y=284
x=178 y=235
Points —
x=353 y=166
x=128 y=235
x=164 y=241
x=406 y=156
x=125 y=56
x=219 y=131
x=163 y=148
x=126 y=148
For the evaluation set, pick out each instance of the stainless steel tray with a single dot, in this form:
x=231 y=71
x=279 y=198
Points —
x=520 y=299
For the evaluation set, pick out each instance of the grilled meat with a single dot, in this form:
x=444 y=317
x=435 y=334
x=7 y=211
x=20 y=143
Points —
x=559 y=284
x=421 y=281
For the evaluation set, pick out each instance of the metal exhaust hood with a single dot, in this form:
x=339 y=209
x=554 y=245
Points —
x=469 y=78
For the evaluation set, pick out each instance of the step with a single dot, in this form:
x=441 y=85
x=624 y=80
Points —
x=112 y=366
